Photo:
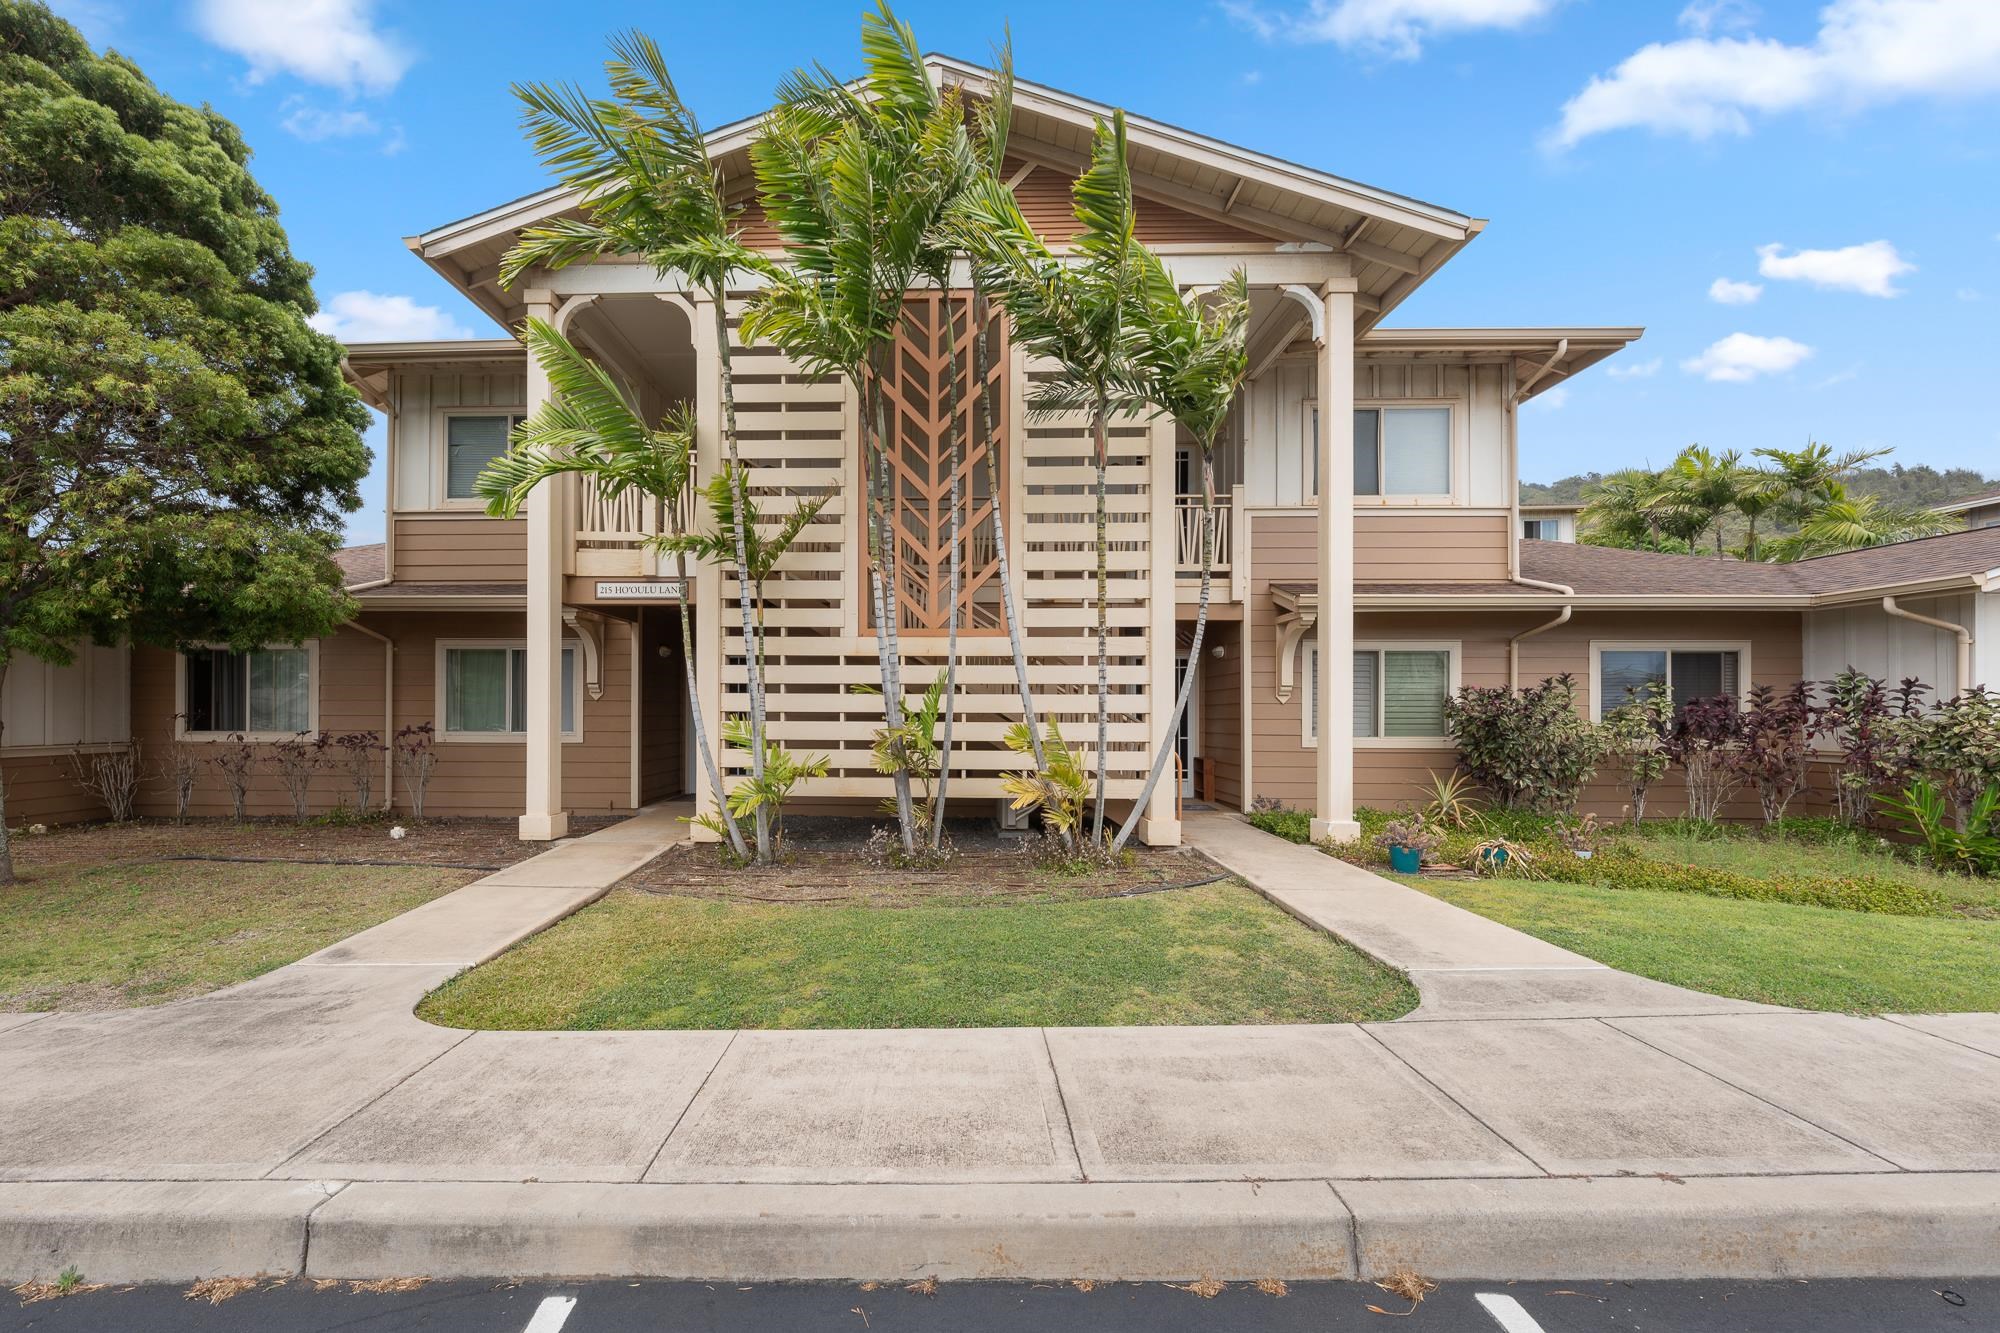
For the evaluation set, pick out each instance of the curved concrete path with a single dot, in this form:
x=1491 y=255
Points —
x=1539 y=1115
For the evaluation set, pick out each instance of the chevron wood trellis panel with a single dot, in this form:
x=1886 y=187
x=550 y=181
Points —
x=799 y=436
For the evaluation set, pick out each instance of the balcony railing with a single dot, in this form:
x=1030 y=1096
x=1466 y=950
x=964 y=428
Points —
x=1187 y=528
x=611 y=531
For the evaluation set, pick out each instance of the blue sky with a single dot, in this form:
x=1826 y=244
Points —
x=1799 y=201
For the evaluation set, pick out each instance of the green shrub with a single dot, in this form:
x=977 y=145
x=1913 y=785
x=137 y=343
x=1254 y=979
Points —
x=1624 y=867
x=1291 y=825
x=1530 y=748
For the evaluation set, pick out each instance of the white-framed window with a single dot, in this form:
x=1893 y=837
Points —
x=1542 y=529
x=1398 y=451
x=1400 y=688
x=1677 y=671
x=482 y=690
x=469 y=439
x=265 y=694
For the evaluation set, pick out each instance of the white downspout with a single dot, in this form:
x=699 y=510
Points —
x=1514 y=644
x=1964 y=639
x=388 y=711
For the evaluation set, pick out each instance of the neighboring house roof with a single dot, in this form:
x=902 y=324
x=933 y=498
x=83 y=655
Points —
x=1394 y=241
x=1960 y=505
x=363 y=564
x=1554 y=506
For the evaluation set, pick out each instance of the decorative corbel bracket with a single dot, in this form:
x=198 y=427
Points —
x=1315 y=307
x=1290 y=629
x=589 y=629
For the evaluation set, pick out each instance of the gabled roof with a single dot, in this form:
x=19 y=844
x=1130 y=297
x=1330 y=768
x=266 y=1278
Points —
x=362 y=564
x=1394 y=242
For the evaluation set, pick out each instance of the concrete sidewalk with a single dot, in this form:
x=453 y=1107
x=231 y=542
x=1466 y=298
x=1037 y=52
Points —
x=1540 y=1115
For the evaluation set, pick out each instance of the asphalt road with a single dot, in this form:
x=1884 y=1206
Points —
x=662 y=1307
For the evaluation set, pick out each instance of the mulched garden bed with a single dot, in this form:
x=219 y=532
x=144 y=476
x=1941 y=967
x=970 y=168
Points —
x=815 y=873
x=473 y=844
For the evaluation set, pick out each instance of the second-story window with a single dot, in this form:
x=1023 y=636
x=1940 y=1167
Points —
x=470 y=443
x=1397 y=450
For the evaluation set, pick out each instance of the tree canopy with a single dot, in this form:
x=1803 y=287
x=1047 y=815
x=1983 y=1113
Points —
x=179 y=447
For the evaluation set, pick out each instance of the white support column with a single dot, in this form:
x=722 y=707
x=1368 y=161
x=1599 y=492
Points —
x=1334 y=817
x=1161 y=826
x=542 y=815
x=706 y=596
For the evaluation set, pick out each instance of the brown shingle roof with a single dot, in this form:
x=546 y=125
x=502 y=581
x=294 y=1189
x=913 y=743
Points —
x=1610 y=571
x=1974 y=552
x=363 y=564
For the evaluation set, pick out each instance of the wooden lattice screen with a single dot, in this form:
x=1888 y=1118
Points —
x=930 y=408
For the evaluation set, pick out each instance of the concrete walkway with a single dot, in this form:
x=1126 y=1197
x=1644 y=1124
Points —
x=1540 y=1115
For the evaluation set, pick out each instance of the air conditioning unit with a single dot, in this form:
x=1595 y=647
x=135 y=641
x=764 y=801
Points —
x=1011 y=820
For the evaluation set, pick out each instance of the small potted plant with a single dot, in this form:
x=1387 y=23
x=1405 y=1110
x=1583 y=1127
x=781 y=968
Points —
x=1580 y=837
x=1407 y=840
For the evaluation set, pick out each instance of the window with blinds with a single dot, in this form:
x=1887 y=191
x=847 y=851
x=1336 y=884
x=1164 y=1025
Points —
x=470 y=443
x=1677 y=674
x=1398 y=692
x=1402 y=451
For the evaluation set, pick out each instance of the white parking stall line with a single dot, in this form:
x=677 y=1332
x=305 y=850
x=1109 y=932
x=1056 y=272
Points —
x=551 y=1314
x=1507 y=1313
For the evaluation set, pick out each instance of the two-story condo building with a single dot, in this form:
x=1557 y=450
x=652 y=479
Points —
x=1371 y=558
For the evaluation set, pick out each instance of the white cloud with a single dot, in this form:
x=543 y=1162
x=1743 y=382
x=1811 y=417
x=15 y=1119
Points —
x=1703 y=17
x=1871 y=268
x=1634 y=370
x=1745 y=356
x=1551 y=399
x=1865 y=52
x=329 y=42
x=1253 y=77
x=362 y=317
x=1395 y=28
x=1969 y=294
x=1728 y=291
x=313 y=123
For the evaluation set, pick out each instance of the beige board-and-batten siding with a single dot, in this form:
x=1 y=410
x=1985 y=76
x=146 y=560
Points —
x=481 y=778
x=796 y=434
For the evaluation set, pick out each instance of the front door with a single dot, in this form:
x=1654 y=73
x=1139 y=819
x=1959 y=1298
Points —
x=1185 y=736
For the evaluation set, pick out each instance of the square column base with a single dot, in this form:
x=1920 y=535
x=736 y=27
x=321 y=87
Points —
x=1159 y=832
x=1339 y=830
x=544 y=828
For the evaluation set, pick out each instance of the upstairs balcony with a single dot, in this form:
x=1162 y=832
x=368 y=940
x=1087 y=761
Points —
x=1187 y=535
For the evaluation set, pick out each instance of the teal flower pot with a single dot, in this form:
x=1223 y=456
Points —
x=1405 y=860
x=1494 y=856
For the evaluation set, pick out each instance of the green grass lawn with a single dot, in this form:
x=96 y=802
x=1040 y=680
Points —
x=1777 y=953
x=1215 y=954
x=84 y=936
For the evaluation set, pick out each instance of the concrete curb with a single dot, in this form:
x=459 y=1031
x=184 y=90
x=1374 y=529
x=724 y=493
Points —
x=156 y=1231
x=1910 y=1225
x=745 y=1233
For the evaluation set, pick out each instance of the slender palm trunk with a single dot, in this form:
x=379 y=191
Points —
x=983 y=368
x=1101 y=429
x=957 y=574
x=740 y=486
x=700 y=727
x=888 y=641
x=1171 y=741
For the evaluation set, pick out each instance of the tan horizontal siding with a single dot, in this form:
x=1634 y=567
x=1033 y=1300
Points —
x=1430 y=548
x=471 y=778
x=461 y=550
x=42 y=789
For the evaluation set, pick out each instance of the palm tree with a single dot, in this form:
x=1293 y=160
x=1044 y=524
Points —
x=1077 y=314
x=587 y=428
x=1809 y=477
x=857 y=183
x=1696 y=490
x=1844 y=523
x=1619 y=510
x=1191 y=361
x=641 y=164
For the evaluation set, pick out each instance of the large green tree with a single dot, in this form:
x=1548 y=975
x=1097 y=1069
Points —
x=179 y=447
